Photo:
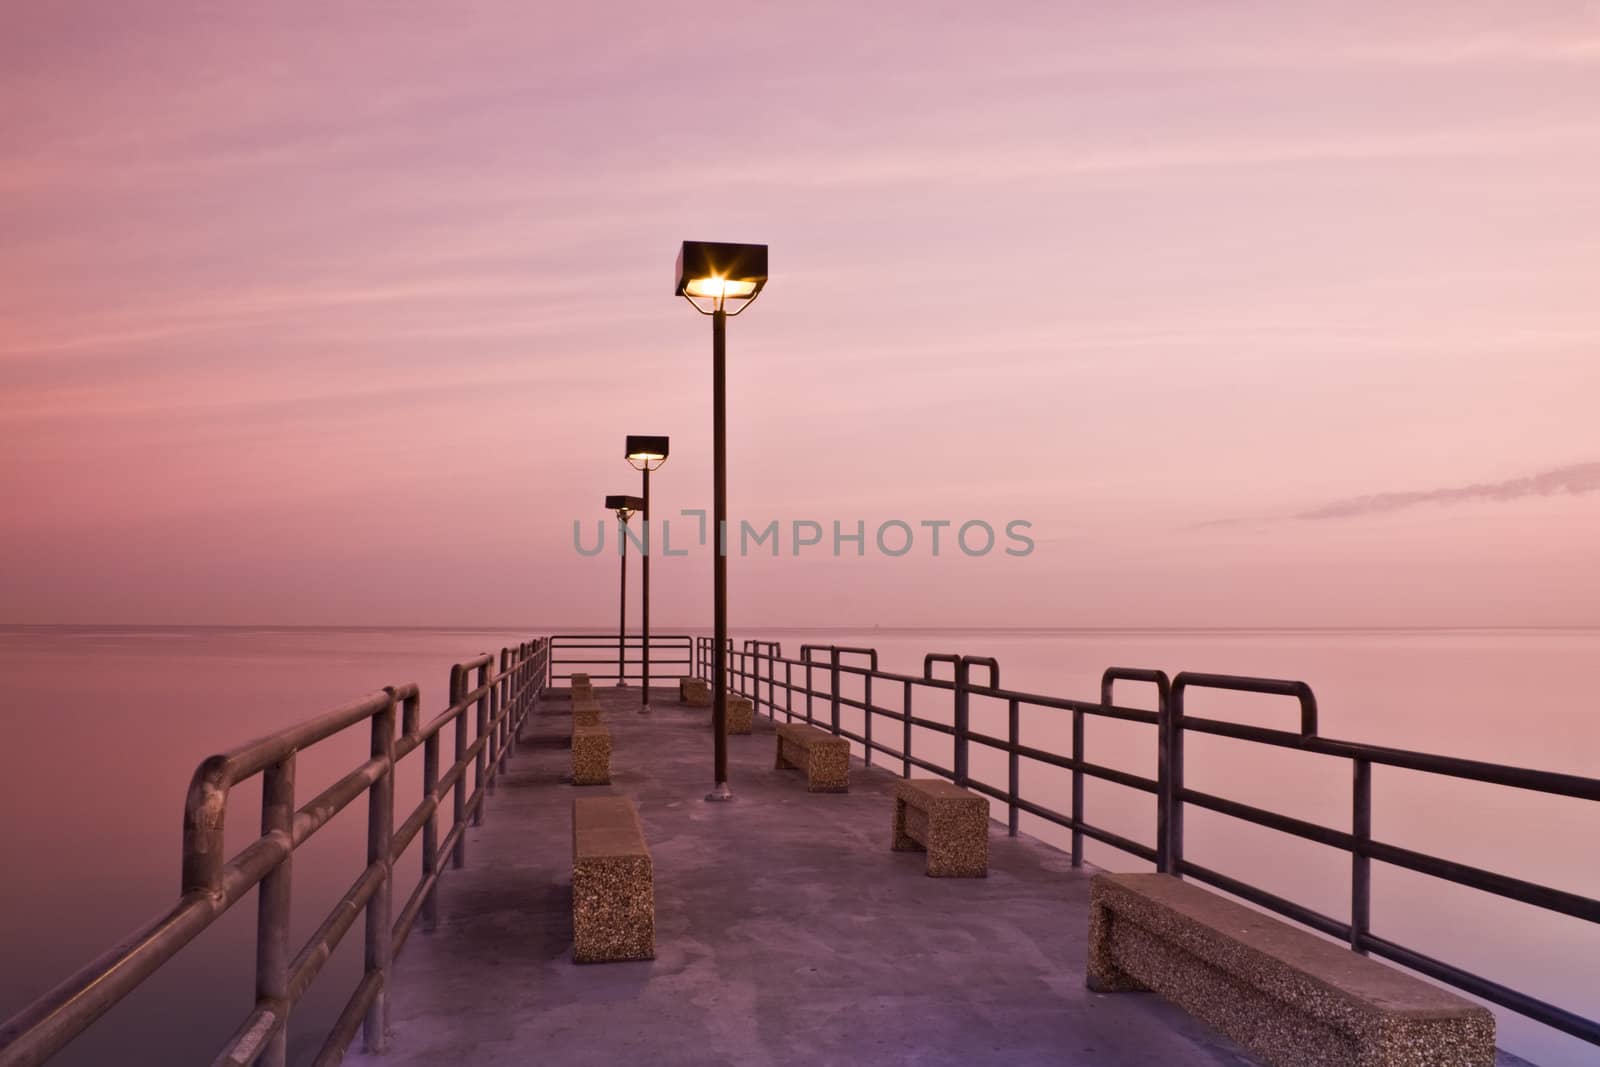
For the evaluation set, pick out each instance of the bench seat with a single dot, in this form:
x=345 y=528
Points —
x=695 y=692
x=1290 y=997
x=948 y=822
x=613 y=883
x=582 y=688
x=741 y=714
x=591 y=755
x=585 y=713
x=824 y=758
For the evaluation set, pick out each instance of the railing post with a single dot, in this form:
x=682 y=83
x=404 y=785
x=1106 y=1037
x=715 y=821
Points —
x=458 y=693
x=810 y=719
x=961 y=721
x=380 y=830
x=1169 y=784
x=430 y=831
x=834 y=686
x=788 y=691
x=773 y=652
x=905 y=741
x=479 y=781
x=272 y=911
x=1077 y=786
x=493 y=745
x=1360 y=863
x=1014 y=716
x=866 y=720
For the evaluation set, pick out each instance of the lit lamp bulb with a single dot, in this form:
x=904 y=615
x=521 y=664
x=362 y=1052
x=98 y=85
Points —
x=719 y=288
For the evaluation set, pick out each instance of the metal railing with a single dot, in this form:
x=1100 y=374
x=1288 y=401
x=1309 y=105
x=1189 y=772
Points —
x=757 y=667
x=597 y=655
x=495 y=702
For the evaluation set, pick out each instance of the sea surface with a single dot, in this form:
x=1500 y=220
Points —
x=104 y=726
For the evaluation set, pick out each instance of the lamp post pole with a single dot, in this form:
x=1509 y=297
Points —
x=644 y=687
x=622 y=607
x=717 y=272
x=719 y=568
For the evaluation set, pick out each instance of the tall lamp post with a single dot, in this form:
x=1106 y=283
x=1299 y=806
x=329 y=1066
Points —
x=624 y=506
x=712 y=276
x=645 y=454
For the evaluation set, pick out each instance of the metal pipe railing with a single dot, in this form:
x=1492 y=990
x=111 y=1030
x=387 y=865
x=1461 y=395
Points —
x=1172 y=723
x=212 y=882
x=608 y=658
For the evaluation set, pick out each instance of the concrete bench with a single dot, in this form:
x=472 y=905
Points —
x=613 y=883
x=585 y=712
x=824 y=757
x=582 y=688
x=695 y=692
x=741 y=714
x=1289 y=997
x=591 y=755
x=949 y=823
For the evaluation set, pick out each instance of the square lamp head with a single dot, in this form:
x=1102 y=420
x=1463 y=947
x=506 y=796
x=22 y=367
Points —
x=646 y=453
x=720 y=272
x=625 y=506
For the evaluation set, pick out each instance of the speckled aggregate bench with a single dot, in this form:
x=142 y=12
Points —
x=613 y=883
x=695 y=692
x=591 y=755
x=1290 y=997
x=946 y=820
x=582 y=688
x=741 y=714
x=585 y=712
x=824 y=757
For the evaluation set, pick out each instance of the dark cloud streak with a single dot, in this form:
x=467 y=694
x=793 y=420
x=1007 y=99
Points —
x=1574 y=479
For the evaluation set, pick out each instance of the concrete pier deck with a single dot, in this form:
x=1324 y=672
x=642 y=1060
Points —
x=786 y=930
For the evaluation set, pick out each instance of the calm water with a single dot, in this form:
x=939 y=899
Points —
x=106 y=725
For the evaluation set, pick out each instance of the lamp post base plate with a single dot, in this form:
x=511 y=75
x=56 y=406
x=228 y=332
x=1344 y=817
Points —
x=720 y=793
x=645 y=710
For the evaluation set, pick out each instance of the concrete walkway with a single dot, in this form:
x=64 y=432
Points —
x=786 y=931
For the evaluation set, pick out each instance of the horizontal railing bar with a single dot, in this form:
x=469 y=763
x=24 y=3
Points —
x=413 y=908
x=1107 y=837
x=1110 y=774
x=1569 y=785
x=403 y=835
x=321 y=945
x=41 y=1029
x=255 y=756
x=1310 y=831
x=1271 y=901
x=320 y=810
x=349 y=1021
x=259 y=1027
x=1506 y=997
x=1558 y=900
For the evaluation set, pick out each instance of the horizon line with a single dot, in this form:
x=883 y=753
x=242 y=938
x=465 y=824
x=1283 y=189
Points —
x=671 y=630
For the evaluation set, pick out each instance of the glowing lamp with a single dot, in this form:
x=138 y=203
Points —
x=645 y=453
x=718 y=272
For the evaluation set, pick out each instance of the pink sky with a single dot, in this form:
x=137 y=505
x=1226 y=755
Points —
x=318 y=313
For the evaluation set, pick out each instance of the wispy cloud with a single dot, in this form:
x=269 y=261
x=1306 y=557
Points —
x=1572 y=480
x=1577 y=478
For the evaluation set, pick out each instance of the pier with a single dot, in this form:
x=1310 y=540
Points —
x=786 y=927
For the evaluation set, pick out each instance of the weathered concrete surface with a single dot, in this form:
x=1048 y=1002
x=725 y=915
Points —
x=787 y=931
